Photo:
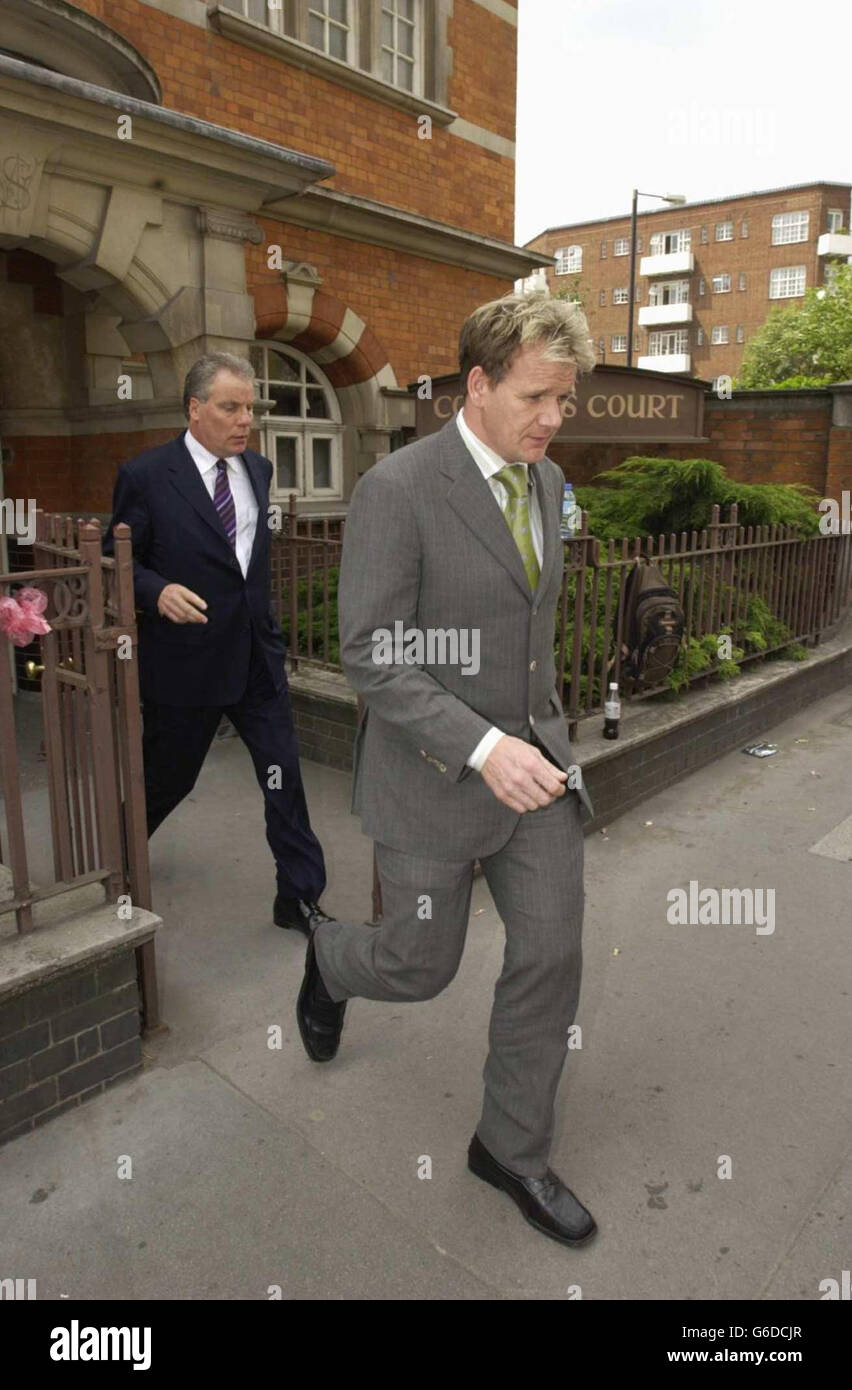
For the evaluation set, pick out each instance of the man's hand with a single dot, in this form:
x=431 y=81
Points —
x=181 y=605
x=520 y=776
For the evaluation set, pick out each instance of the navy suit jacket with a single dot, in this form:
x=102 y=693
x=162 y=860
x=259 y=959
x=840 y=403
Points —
x=178 y=538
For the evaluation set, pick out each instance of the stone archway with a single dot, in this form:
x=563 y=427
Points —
x=144 y=212
x=296 y=310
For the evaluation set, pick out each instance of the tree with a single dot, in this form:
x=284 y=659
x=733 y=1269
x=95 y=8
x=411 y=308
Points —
x=575 y=293
x=653 y=496
x=804 y=345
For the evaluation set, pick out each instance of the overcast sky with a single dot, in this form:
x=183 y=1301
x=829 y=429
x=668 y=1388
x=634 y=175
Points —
x=702 y=97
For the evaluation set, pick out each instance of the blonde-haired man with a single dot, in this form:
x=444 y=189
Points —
x=458 y=533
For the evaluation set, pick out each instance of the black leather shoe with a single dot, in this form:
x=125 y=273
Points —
x=300 y=913
x=546 y=1203
x=320 y=1017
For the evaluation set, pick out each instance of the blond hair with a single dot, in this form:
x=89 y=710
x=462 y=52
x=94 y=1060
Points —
x=494 y=333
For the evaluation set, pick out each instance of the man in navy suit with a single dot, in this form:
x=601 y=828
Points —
x=197 y=508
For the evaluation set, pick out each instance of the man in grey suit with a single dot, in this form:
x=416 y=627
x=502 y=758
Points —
x=451 y=570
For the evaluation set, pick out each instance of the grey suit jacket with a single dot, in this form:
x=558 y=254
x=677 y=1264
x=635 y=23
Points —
x=426 y=545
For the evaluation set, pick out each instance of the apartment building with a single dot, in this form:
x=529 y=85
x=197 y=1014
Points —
x=707 y=273
x=325 y=186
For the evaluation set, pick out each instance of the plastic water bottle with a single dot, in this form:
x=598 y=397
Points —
x=570 y=523
x=612 y=712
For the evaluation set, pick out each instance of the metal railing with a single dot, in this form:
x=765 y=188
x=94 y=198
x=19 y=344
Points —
x=92 y=729
x=305 y=557
x=805 y=583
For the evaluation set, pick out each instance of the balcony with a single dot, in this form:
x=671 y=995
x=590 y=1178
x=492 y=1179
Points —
x=670 y=263
x=654 y=314
x=834 y=244
x=666 y=362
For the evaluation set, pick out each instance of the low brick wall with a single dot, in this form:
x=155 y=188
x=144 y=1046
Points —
x=620 y=775
x=660 y=742
x=67 y=1040
x=796 y=436
x=325 y=723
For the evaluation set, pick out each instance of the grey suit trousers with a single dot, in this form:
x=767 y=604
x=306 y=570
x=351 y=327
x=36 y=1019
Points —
x=536 y=881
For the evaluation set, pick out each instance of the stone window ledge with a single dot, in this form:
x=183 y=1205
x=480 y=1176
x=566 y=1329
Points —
x=235 y=26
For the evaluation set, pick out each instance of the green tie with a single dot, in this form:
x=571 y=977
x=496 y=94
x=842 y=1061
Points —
x=514 y=479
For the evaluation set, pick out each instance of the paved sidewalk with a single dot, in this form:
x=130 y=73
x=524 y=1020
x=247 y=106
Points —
x=253 y=1167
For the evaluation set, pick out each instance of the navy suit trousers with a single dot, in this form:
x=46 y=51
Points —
x=175 y=743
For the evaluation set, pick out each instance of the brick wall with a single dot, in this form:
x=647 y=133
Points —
x=72 y=473
x=622 y=774
x=414 y=306
x=373 y=145
x=752 y=255
x=768 y=438
x=67 y=1040
x=839 y=470
x=759 y=437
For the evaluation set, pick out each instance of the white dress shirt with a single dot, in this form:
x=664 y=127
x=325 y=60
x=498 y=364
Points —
x=489 y=463
x=245 y=502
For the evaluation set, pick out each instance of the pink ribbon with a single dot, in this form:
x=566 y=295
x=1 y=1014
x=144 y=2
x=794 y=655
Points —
x=20 y=617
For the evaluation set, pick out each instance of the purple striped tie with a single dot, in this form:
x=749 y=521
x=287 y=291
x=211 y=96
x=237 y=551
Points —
x=223 y=501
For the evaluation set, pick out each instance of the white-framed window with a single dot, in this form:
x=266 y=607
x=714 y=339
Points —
x=331 y=28
x=402 y=43
x=399 y=42
x=667 y=243
x=569 y=260
x=699 y=337
x=302 y=429
x=719 y=333
x=787 y=282
x=621 y=295
x=603 y=250
x=834 y=218
x=266 y=12
x=618 y=342
x=725 y=231
x=721 y=283
x=669 y=343
x=669 y=292
x=702 y=285
x=788 y=227
x=602 y=298
x=744 y=227
x=740 y=333
x=742 y=281
x=621 y=246
x=704 y=236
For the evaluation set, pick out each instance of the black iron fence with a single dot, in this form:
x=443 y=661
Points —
x=763 y=588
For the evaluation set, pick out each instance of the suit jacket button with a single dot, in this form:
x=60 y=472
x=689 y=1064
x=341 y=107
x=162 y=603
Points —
x=442 y=766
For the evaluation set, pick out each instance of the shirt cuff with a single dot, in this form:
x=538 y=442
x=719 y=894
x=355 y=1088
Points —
x=484 y=747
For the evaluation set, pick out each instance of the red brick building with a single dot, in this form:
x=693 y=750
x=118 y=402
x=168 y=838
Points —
x=707 y=273
x=326 y=185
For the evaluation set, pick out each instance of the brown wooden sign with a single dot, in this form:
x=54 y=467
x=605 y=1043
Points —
x=617 y=404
